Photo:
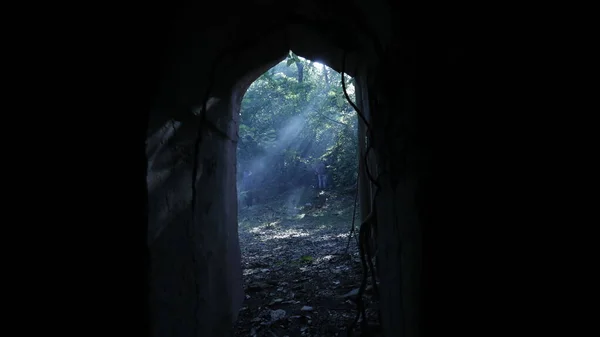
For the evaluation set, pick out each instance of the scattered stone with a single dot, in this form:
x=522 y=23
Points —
x=351 y=294
x=277 y=300
x=258 y=286
x=277 y=315
x=272 y=258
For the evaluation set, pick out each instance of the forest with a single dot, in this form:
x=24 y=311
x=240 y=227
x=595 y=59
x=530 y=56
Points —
x=297 y=165
x=293 y=117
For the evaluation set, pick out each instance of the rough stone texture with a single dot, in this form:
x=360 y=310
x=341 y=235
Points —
x=195 y=269
x=206 y=254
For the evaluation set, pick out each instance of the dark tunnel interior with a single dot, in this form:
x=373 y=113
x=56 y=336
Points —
x=151 y=253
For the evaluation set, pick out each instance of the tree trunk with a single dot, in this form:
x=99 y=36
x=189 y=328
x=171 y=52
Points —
x=300 y=71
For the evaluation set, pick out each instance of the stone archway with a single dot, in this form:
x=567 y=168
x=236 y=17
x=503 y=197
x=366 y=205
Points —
x=180 y=300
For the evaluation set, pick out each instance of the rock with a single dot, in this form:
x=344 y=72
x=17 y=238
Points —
x=277 y=300
x=277 y=314
x=306 y=308
x=258 y=286
x=351 y=294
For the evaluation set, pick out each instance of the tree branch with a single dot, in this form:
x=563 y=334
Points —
x=332 y=120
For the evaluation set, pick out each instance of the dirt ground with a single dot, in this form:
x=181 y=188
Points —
x=299 y=279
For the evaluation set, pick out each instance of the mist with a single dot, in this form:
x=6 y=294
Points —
x=293 y=118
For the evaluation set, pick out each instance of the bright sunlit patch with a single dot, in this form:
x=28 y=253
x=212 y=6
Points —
x=290 y=233
x=280 y=234
x=249 y=271
x=265 y=226
x=325 y=258
x=328 y=237
x=318 y=65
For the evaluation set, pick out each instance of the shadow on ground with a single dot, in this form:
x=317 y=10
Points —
x=299 y=279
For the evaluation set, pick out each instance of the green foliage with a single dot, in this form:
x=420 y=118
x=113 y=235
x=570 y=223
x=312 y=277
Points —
x=289 y=119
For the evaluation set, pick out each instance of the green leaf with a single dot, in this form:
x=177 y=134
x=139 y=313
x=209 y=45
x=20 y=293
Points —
x=340 y=100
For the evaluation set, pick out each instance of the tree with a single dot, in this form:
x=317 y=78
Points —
x=292 y=117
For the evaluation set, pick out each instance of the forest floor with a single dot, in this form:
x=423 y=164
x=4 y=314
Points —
x=298 y=278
